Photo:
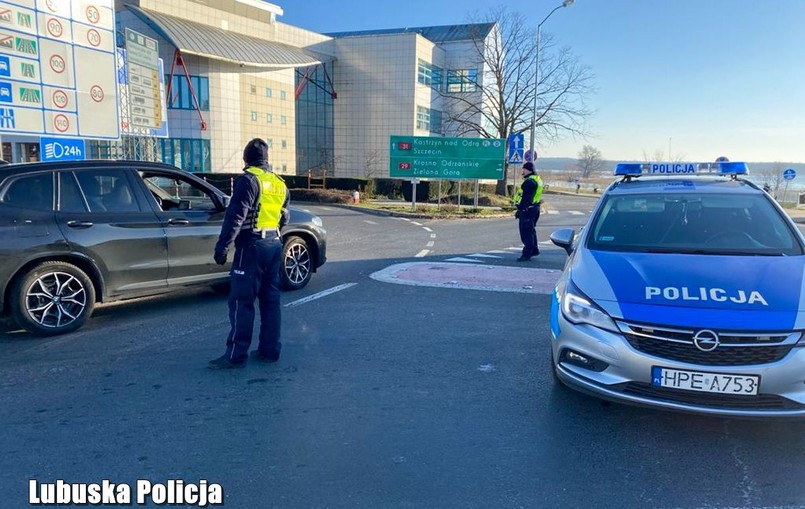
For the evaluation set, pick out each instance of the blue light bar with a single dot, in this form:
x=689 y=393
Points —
x=717 y=168
x=628 y=169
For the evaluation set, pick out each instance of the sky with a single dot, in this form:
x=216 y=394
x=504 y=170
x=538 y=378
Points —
x=694 y=78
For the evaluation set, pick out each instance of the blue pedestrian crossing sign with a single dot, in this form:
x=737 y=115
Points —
x=790 y=174
x=516 y=144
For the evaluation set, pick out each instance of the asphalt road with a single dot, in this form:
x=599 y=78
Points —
x=387 y=395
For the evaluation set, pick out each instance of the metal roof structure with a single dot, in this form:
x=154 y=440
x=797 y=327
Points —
x=437 y=34
x=218 y=44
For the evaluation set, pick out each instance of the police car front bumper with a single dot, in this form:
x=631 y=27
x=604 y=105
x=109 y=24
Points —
x=606 y=365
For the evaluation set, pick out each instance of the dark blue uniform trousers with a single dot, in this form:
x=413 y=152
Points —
x=528 y=231
x=255 y=274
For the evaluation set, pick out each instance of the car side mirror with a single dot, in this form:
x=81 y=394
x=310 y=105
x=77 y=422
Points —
x=564 y=239
x=185 y=205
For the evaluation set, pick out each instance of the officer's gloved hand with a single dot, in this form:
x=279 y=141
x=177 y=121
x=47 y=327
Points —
x=220 y=258
x=517 y=214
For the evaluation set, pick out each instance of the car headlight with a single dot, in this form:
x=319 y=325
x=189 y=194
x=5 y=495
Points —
x=578 y=309
x=317 y=221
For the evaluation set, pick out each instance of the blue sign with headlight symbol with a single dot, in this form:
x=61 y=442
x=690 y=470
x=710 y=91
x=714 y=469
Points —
x=62 y=149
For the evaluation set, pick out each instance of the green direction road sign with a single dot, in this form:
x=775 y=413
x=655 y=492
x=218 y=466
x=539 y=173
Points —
x=142 y=50
x=447 y=158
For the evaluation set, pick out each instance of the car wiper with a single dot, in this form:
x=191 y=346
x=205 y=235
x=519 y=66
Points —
x=668 y=250
x=672 y=250
x=746 y=253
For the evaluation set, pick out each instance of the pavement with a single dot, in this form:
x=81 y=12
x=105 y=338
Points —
x=797 y=214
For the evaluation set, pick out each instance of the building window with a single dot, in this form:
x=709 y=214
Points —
x=269 y=118
x=284 y=144
x=422 y=118
x=270 y=143
x=429 y=74
x=424 y=73
x=180 y=96
x=268 y=92
x=254 y=116
x=462 y=80
x=282 y=95
x=436 y=121
x=436 y=78
x=190 y=154
x=283 y=120
x=253 y=89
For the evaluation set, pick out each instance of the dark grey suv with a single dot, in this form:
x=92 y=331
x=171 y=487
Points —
x=77 y=233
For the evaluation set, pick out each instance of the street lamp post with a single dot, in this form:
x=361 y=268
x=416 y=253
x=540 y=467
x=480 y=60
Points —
x=565 y=3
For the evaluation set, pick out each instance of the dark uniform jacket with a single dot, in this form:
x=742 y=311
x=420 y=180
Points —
x=240 y=214
x=529 y=187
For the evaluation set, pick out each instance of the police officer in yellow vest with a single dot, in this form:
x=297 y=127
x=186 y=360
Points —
x=256 y=212
x=527 y=200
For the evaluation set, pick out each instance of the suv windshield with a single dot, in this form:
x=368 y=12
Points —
x=692 y=223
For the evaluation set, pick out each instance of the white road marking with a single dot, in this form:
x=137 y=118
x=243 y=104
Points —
x=422 y=253
x=513 y=248
x=461 y=259
x=552 y=212
x=433 y=235
x=367 y=221
x=474 y=276
x=426 y=229
x=576 y=212
x=430 y=244
x=483 y=255
x=415 y=223
x=497 y=251
x=320 y=294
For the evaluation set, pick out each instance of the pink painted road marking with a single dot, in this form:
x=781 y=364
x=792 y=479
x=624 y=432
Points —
x=464 y=276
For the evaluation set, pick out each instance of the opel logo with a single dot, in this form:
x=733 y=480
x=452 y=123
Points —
x=706 y=340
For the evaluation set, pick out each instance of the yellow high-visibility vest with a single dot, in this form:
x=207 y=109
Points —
x=272 y=196
x=537 y=194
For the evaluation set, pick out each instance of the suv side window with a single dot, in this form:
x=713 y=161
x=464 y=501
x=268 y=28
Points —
x=70 y=197
x=173 y=192
x=107 y=190
x=30 y=191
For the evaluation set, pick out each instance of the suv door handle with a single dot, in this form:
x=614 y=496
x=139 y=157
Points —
x=79 y=224
x=175 y=221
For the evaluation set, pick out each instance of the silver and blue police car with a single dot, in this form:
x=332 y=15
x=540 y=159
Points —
x=684 y=291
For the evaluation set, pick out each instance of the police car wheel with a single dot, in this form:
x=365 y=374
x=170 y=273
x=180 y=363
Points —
x=52 y=298
x=297 y=264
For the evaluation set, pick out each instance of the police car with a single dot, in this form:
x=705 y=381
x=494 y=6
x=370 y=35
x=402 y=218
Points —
x=684 y=291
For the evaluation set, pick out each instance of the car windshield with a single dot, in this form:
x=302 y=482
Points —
x=692 y=223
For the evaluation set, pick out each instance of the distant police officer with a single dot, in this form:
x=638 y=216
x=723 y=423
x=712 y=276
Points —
x=527 y=199
x=256 y=212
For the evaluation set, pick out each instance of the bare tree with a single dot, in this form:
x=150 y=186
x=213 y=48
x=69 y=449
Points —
x=370 y=161
x=772 y=177
x=504 y=101
x=658 y=156
x=370 y=170
x=589 y=161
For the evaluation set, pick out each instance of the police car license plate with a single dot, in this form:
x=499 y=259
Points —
x=704 y=382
